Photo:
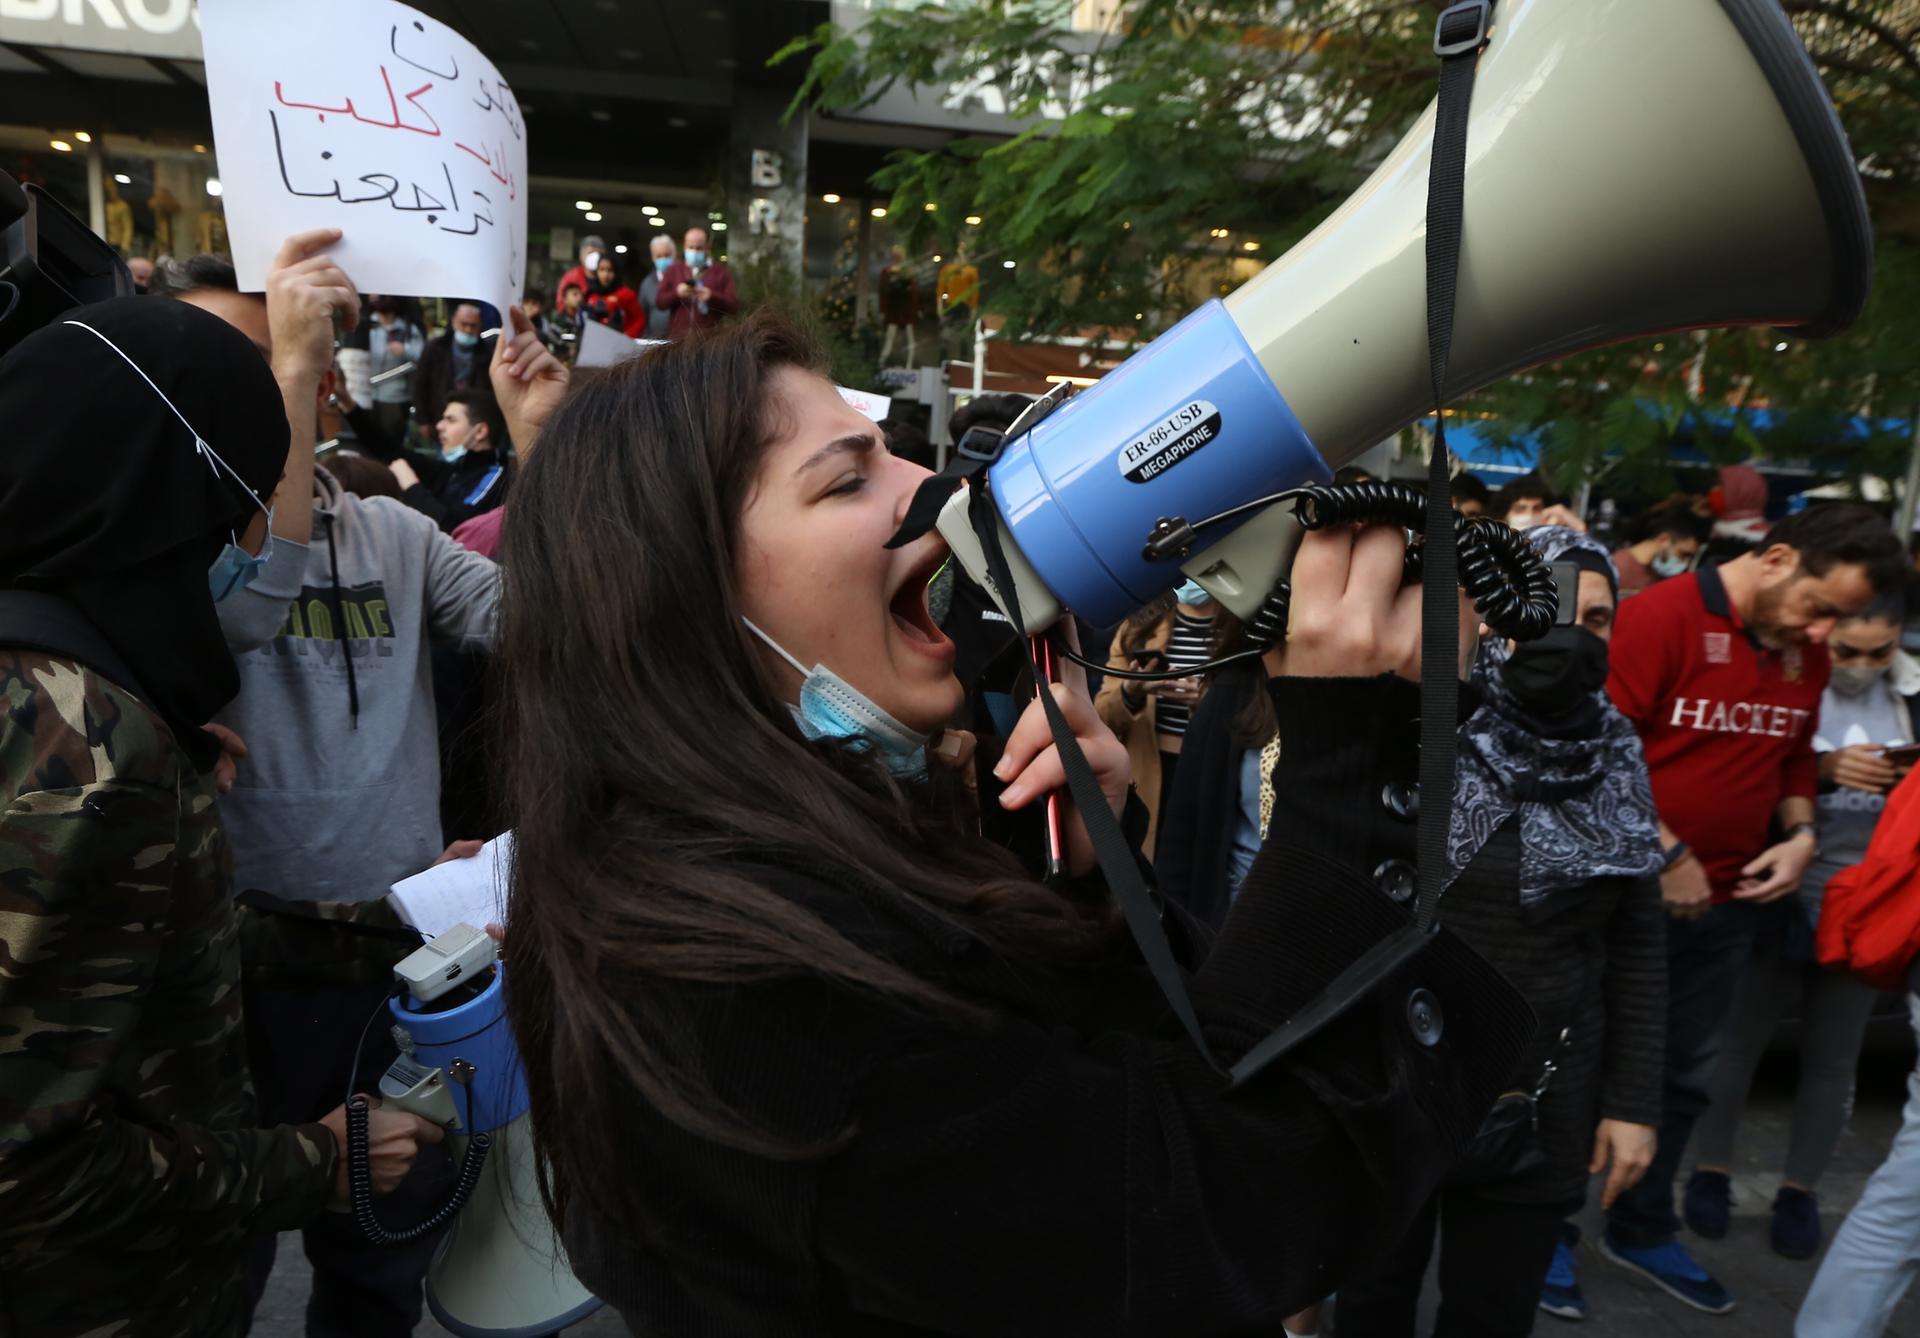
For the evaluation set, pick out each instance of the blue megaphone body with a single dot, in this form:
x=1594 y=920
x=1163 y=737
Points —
x=501 y=1271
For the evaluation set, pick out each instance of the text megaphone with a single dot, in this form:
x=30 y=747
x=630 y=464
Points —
x=1633 y=167
x=501 y=1272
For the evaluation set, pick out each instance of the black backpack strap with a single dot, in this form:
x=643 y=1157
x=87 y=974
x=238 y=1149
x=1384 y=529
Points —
x=39 y=621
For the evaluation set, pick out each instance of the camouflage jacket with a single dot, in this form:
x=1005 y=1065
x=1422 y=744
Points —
x=131 y=1168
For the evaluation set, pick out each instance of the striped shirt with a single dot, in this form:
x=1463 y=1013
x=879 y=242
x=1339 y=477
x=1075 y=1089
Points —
x=1190 y=644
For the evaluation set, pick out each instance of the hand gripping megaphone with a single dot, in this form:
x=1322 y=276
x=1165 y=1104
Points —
x=501 y=1272
x=1633 y=167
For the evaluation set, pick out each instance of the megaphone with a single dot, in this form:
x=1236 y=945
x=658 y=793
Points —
x=501 y=1271
x=1633 y=167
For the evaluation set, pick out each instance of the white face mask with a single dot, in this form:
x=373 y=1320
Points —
x=832 y=708
x=1669 y=564
x=235 y=568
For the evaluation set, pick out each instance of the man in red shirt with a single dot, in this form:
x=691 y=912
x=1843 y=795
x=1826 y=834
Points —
x=1721 y=672
x=696 y=289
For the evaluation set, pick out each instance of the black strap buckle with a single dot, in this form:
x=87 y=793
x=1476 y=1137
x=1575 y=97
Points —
x=980 y=443
x=1462 y=28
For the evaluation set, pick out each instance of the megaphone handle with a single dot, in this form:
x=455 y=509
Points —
x=1048 y=674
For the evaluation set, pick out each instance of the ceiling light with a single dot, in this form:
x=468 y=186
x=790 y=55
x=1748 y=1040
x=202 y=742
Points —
x=719 y=227
x=83 y=136
x=199 y=148
x=123 y=178
x=1780 y=347
x=1250 y=246
x=60 y=146
x=213 y=186
x=974 y=220
x=592 y=216
x=930 y=206
x=878 y=211
x=583 y=205
x=1006 y=264
x=936 y=260
x=830 y=198
x=649 y=210
x=620 y=248
x=713 y=217
x=1139 y=315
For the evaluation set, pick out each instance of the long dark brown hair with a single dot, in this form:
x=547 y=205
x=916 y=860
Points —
x=649 y=763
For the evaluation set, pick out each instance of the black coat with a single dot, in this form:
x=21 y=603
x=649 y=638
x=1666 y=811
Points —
x=1191 y=853
x=455 y=493
x=1074 y=1168
x=1595 y=964
x=434 y=377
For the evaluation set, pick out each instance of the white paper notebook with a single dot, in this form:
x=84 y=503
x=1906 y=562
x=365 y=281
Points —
x=461 y=891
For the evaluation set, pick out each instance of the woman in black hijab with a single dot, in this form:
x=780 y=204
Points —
x=142 y=440
x=119 y=504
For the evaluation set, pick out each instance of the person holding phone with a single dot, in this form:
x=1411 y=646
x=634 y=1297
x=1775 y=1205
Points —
x=1864 y=740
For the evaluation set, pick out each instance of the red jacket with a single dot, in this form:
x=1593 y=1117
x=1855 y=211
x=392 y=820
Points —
x=621 y=308
x=1727 y=726
x=718 y=279
x=573 y=278
x=1870 y=920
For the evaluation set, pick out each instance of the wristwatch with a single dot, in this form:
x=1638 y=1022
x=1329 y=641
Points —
x=1674 y=853
x=1808 y=829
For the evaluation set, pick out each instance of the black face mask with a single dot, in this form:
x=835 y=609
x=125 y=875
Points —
x=1555 y=676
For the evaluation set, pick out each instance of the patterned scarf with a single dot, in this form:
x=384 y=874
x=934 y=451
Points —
x=1579 y=784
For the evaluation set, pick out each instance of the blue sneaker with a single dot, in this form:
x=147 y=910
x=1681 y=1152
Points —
x=1560 y=1294
x=1708 y=1207
x=1670 y=1268
x=1796 y=1224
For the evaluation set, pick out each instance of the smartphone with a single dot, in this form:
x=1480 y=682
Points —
x=1904 y=756
x=1147 y=660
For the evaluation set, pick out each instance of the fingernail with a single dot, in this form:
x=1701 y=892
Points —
x=1003 y=768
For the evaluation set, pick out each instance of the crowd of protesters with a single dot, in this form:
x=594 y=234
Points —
x=810 y=1044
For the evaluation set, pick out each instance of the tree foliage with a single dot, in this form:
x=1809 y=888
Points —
x=1176 y=121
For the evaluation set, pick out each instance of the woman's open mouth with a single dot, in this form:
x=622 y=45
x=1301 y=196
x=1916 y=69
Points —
x=911 y=612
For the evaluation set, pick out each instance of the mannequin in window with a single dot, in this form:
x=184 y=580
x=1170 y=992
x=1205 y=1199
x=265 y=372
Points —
x=899 y=303
x=119 y=220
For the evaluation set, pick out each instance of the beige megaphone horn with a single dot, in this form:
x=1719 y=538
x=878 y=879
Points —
x=1633 y=167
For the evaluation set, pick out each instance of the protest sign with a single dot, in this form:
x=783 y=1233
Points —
x=601 y=346
x=370 y=117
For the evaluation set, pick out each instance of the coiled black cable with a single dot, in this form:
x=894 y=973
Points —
x=1511 y=586
x=360 y=1181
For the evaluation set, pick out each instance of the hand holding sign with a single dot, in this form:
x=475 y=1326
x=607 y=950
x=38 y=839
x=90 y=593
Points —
x=380 y=122
x=306 y=291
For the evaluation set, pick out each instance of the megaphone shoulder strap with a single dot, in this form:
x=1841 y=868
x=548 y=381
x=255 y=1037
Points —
x=1459 y=37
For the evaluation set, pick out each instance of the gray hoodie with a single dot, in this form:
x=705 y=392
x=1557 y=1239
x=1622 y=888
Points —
x=326 y=808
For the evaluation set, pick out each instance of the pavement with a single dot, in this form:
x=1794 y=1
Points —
x=1766 y=1287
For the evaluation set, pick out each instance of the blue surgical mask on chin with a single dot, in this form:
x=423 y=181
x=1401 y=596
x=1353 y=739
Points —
x=661 y=264
x=695 y=259
x=832 y=708
x=236 y=569
x=465 y=338
x=1665 y=565
x=1191 y=593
